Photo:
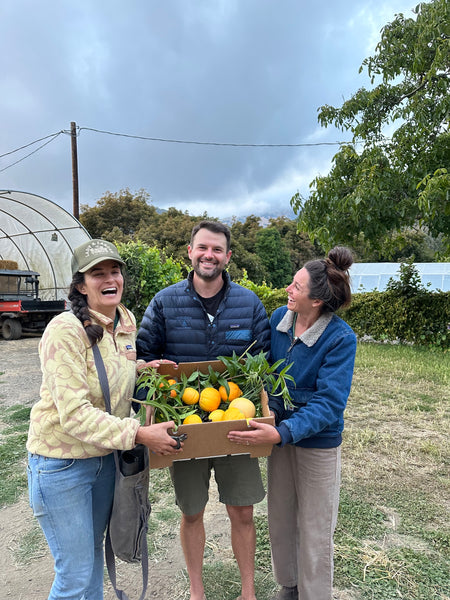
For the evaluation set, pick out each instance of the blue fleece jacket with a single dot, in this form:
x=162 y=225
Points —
x=323 y=359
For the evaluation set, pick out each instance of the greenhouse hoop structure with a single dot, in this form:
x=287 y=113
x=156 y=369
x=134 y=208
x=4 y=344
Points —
x=368 y=277
x=40 y=236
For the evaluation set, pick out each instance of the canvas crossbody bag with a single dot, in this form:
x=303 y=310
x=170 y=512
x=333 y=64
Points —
x=126 y=536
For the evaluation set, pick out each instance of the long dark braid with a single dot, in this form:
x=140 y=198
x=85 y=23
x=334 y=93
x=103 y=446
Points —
x=81 y=310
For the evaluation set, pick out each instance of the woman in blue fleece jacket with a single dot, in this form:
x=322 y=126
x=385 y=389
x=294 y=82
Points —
x=304 y=467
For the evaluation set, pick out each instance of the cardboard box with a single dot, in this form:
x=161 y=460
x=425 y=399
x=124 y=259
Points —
x=207 y=440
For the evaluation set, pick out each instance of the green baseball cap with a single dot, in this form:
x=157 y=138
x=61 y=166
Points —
x=93 y=252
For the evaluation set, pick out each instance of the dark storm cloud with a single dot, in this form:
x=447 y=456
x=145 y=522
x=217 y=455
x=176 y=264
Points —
x=233 y=71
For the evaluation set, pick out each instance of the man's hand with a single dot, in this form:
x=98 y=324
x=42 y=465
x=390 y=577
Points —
x=154 y=364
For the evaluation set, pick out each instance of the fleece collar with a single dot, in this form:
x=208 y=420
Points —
x=311 y=335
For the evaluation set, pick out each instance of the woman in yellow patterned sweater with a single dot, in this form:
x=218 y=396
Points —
x=71 y=466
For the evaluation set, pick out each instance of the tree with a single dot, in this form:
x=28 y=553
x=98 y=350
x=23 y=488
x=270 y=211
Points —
x=401 y=181
x=274 y=256
x=409 y=245
x=170 y=230
x=296 y=243
x=117 y=215
x=244 y=255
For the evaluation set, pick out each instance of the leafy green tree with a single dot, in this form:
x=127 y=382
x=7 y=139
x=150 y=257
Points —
x=395 y=182
x=407 y=245
x=274 y=256
x=243 y=260
x=244 y=255
x=117 y=212
x=408 y=284
x=170 y=230
x=297 y=243
x=246 y=231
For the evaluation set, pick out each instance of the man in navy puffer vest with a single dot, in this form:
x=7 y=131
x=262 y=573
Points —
x=201 y=318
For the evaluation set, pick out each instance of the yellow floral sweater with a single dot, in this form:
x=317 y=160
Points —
x=69 y=420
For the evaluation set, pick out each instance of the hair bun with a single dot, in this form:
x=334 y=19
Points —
x=341 y=257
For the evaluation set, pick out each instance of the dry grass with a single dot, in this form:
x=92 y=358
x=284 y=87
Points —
x=397 y=421
x=393 y=535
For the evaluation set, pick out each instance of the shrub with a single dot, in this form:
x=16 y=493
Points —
x=422 y=319
x=148 y=270
x=270 y=297
x=406 y=312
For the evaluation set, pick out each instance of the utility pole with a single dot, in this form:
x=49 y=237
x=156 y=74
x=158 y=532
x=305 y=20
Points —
x=76 y=198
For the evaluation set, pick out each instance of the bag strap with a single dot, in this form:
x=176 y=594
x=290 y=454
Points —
x=109 y=554
x=102 y=376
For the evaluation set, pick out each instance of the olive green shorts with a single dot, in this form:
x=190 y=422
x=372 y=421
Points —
x=238 y=480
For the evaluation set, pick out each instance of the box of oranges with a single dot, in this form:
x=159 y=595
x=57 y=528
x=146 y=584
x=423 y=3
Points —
x=209 y=412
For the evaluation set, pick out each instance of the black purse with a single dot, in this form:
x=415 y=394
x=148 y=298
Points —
x=126 y=536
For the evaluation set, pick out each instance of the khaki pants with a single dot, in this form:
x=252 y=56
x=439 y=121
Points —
x=303 y=501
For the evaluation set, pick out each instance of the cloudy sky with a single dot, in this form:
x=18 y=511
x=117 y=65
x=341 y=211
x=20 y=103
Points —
x=220 y=71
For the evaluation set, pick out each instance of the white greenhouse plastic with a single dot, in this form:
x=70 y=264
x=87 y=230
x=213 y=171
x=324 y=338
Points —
x=40 y=236
x=367 y=277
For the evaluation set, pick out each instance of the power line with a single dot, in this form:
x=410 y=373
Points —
x=53 y=137
x=31 y=143
x=235 y=145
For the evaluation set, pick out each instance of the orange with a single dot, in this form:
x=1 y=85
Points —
x=235 y=391
x=173 y=393
x=233 y=414
x=192 y=419
x=166 y=384
x=216 y=415
x=209 y=399
x=190 y=396
x=245 y=406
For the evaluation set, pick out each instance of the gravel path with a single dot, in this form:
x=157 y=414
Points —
x=21 y=379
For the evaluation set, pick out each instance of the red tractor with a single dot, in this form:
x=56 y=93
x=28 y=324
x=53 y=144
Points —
x=21 y=309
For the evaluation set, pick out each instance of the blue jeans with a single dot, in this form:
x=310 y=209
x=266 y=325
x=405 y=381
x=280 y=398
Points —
x=72 y=499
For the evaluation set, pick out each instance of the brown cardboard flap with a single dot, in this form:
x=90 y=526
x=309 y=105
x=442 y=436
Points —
x=189 y=367
x=206 y=440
